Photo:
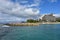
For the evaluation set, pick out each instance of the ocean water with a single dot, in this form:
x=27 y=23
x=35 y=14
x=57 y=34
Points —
x=41 y=32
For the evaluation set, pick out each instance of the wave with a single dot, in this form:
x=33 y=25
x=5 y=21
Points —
x=5 y=26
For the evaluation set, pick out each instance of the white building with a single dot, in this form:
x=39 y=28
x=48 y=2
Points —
x=49 y=18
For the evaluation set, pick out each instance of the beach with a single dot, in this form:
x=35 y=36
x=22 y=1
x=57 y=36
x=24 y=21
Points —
x=50 y=23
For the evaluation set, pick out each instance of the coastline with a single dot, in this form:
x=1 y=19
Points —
x=23 y=24
x=31 y=24
x=50 y=23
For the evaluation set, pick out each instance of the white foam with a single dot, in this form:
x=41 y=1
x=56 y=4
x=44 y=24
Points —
x=5 y=26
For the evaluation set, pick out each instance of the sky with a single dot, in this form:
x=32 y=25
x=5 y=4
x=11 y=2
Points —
x=20 y=10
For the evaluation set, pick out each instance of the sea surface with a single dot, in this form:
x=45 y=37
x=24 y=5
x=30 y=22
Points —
x=41 y=32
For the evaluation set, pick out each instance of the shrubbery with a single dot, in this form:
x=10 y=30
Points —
x=58 y=19
x=32 y=21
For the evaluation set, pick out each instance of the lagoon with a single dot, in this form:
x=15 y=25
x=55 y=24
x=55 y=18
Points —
x=41 y=32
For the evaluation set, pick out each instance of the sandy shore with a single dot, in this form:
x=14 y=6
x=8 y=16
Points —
x=50 y=23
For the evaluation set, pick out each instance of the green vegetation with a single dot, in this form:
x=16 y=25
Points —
x=32 y=21
x=58 y=19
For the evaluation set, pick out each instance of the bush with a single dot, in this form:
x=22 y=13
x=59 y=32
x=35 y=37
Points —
x=58 y=19
x=32 y=21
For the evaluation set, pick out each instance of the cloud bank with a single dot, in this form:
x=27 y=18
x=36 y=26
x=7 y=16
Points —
x=16 y=11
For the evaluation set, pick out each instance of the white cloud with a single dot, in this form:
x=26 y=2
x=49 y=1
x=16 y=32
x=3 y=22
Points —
x=6 y=17
x=30 y=3
x=57 y=15
x=31 y=11
x=24 y=2
x=37 y=2
x=53 y=1
x=16 y=9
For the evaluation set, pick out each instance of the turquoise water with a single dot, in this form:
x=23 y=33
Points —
x=42 y=32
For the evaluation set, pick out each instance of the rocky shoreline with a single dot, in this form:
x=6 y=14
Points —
x=31 y=24
x=23 y=24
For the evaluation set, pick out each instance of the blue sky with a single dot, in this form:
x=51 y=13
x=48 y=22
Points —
x=20 y=10
x=51 y=7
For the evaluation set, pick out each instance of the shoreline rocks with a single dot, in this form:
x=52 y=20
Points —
x=31 y=24
x=23 y=24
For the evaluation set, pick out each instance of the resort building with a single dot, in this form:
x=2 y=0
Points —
x=49 y=18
